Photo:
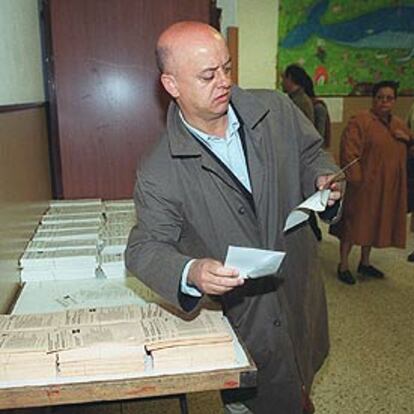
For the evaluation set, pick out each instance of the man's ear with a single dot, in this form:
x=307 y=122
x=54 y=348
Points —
x=170 y=84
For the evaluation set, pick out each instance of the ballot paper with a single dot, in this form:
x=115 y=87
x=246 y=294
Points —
x=316 y=202
x=253 y=263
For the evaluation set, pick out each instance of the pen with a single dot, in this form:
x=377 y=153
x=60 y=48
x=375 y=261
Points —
x=339 y=176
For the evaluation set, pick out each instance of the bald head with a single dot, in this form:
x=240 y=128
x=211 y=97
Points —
x=181 y=37
x=196 y=71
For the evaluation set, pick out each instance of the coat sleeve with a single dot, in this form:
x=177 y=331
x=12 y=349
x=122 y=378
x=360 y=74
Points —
x=352 y=147
x=152 y=254
x=314 y=161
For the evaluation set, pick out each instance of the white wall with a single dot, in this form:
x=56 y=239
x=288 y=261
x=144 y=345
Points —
x=20 y=53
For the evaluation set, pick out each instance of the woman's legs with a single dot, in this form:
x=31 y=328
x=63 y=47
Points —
x=365 y=268
x=365 y=252
x=344 y=250
x=344 y=275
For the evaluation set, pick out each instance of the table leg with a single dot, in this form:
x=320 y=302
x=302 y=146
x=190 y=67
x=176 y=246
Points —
x=183 y=403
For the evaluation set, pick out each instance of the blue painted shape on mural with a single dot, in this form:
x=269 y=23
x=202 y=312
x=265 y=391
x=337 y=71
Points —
x=385 y=28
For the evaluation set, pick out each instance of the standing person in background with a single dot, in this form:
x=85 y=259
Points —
x=295 y=80
x=375 y=205
x=228 y=170
x=410 y=174
x=293 y=83
x=322 y=119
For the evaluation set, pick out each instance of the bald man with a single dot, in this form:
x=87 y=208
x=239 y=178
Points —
x=224 y=174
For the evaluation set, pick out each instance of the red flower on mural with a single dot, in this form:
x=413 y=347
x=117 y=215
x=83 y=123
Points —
x=321 y=75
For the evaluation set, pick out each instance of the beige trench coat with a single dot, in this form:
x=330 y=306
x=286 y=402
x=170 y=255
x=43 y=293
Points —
x=188 y=207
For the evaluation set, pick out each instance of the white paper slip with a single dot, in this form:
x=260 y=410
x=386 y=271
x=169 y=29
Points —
x=253 y=263
x=316 y=202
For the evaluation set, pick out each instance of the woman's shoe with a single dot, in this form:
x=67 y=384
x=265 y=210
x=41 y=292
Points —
x=370 y=271
x=346 y=276
x=410 y=257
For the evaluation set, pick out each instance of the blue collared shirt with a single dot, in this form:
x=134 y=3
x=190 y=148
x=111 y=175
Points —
x=230 y=151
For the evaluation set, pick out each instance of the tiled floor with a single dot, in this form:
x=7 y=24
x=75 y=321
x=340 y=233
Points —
x=370 y=368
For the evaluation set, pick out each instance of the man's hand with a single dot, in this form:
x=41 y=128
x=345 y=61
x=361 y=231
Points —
x=336 y=187
x=211 y=277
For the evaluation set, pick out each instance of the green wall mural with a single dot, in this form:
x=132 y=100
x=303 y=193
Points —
x=347 y=45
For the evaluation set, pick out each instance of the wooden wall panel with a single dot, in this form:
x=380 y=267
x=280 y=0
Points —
x=24 y=189
x=110 y=106
x=233 y=44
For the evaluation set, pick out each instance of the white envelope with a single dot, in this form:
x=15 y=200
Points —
x=253 y=263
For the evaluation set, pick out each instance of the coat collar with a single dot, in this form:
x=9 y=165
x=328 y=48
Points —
x=249 y=109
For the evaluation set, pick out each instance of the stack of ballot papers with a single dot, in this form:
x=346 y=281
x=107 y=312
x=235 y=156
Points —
x=120 y=217
x=79 y=239
x=75 y=207
x=175 y=343
x=200 y=356
x=126 y=205
x=89 y=218
x=116 y=214
x=24 y=355
x=113 y=264
x=115 y=348
x=111 y=341
x=62 y=233
x=40 y=245
x=69 y=225
x=65 y=245
x=68 y=264
x=114 y=237
x=85 y=202
x=83 y=342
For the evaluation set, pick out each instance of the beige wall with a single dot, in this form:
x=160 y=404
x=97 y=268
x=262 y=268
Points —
x=24 y=189
x=24 y=165
x=20 y=53
x=257 y=22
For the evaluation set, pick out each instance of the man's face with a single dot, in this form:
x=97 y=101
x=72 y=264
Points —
x=383 y=102
x=202 y=80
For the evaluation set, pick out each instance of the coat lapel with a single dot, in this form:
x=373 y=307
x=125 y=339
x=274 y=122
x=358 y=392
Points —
x=183 y=144
x=250 y=112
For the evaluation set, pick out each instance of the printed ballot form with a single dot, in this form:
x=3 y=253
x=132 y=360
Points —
x=317 y=202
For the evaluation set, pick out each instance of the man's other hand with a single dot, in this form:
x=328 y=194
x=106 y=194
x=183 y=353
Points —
x=336 y=187
x=211 y=277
